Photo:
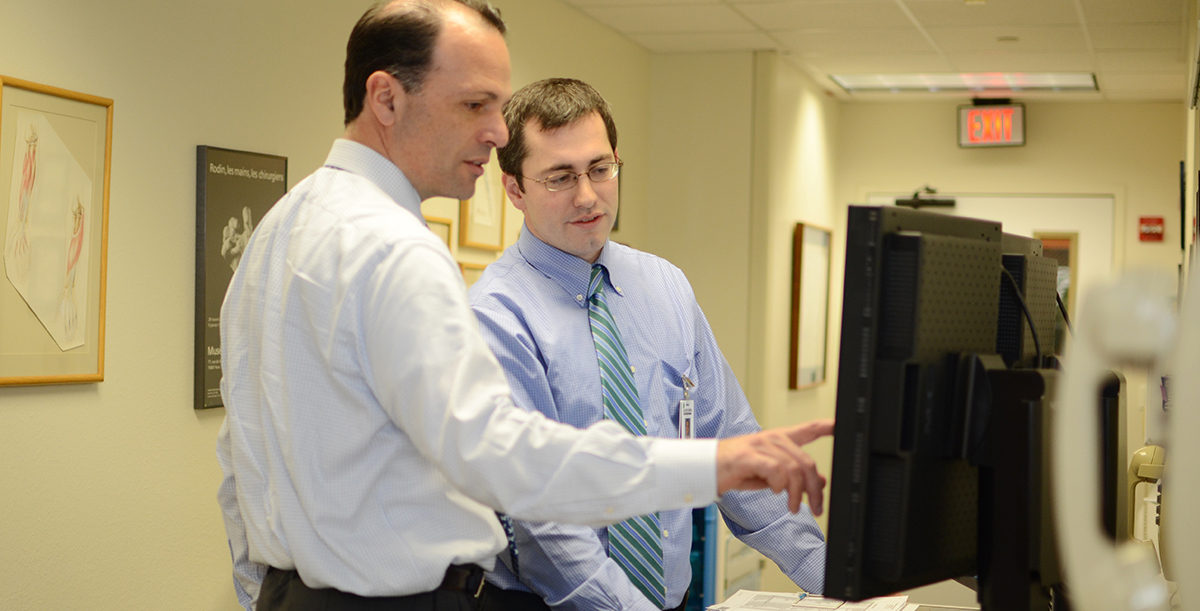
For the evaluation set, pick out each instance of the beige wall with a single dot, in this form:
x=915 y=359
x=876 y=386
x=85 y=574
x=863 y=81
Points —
x=794 y=152
x=699 y=212
x=1129 y=150
x=109 y=489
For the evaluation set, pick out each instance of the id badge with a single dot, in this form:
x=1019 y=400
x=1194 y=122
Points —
x=687 y=418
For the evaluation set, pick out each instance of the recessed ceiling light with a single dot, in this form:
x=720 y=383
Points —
x=966 y=82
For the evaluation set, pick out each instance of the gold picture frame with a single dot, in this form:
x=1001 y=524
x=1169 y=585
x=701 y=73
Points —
x=481 y=218
x=471 y=272
x=54 y=233
x=440 y=227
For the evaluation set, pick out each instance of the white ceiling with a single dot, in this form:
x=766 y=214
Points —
x=1136 y=48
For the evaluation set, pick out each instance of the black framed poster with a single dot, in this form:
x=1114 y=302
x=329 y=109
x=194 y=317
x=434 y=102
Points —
x=234 y=189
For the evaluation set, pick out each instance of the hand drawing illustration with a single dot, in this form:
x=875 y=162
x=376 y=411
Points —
x=49 y=205
x=66 y=310
x=18 y=237
x=233 y=242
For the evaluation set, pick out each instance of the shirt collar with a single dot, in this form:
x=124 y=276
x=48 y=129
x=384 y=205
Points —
x=358 y=158
x=570 y=272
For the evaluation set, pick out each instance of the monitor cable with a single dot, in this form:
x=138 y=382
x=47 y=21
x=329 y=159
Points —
x=1037 y=345
x=1062 y=309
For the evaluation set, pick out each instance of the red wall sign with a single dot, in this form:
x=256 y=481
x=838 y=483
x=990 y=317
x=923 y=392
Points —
x=995 y=125
x=1151 y=228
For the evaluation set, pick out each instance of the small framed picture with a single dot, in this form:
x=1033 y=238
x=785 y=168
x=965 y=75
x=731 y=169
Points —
x=471 y=272
x=440 y=227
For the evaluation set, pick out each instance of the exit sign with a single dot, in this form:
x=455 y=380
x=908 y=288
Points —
x=991 y=125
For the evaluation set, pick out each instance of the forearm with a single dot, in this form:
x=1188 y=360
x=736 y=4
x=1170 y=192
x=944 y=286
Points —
x=794 y=542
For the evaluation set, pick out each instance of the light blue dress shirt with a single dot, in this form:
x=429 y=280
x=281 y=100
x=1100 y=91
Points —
x=532 y=309
x=369 y=431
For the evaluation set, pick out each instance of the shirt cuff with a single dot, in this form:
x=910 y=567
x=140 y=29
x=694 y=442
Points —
x=686 y=472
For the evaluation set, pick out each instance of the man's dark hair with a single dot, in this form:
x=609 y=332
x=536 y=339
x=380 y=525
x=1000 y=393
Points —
x=551 y=104
x=399 y=40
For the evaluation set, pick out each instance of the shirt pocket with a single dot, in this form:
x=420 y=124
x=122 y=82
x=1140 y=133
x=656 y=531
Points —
x=671 y=376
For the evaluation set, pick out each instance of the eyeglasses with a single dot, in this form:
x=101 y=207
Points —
x=563 y=181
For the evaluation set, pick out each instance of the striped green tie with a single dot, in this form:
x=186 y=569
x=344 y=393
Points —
x=636 y=543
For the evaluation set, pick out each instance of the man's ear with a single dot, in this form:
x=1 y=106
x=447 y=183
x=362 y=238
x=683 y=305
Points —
x=385 y=98
x=514 y=191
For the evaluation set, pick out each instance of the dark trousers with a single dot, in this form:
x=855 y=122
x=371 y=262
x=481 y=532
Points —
x=284 y=591
x=495 y=599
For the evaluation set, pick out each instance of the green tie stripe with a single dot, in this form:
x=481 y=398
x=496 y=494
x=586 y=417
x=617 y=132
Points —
x=637 y=560
x=643 y=528
x=635 y=544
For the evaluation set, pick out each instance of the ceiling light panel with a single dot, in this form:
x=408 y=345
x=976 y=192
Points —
x=966 y=82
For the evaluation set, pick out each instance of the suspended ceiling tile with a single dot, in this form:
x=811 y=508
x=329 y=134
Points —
x=868 y=2
x=1029 y=39
x=1022 y=62
x=1146 y=95
x=705 y=42
x=869 y=64
x=670 y=19
x=957 y=13
x=855 y=42
x=1141 y=61
x=795 y=15
x=1132 y=11
x=590 y=3
x=1136 y=37
x=1123 y=81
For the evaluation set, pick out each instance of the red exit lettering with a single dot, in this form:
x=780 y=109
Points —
x=1151 y=228
x=990 y=124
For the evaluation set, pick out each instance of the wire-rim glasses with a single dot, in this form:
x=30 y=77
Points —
x=564 y=181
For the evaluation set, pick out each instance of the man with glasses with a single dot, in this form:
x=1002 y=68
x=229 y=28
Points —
x=588 y=330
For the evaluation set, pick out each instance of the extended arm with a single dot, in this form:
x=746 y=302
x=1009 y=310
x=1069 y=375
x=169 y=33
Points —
x=453 y=403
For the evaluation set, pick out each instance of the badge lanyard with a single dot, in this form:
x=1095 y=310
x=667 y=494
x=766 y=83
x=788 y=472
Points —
x=687 y=411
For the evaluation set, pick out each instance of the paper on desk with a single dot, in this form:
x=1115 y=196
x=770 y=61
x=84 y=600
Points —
x=752 y=600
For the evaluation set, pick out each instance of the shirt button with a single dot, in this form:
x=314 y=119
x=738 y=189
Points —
x=632 y=369
x=618 y=288
x=608 y=510
x=579 y=298
x=687 y=498
x=666 y=535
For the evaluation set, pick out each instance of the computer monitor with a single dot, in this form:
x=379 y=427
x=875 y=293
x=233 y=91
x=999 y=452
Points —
x=940 y=433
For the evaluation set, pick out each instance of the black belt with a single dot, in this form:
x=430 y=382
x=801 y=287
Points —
x=284 y=589
x=463 y=578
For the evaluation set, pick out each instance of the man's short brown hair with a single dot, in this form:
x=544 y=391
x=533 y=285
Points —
x=550 y=104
